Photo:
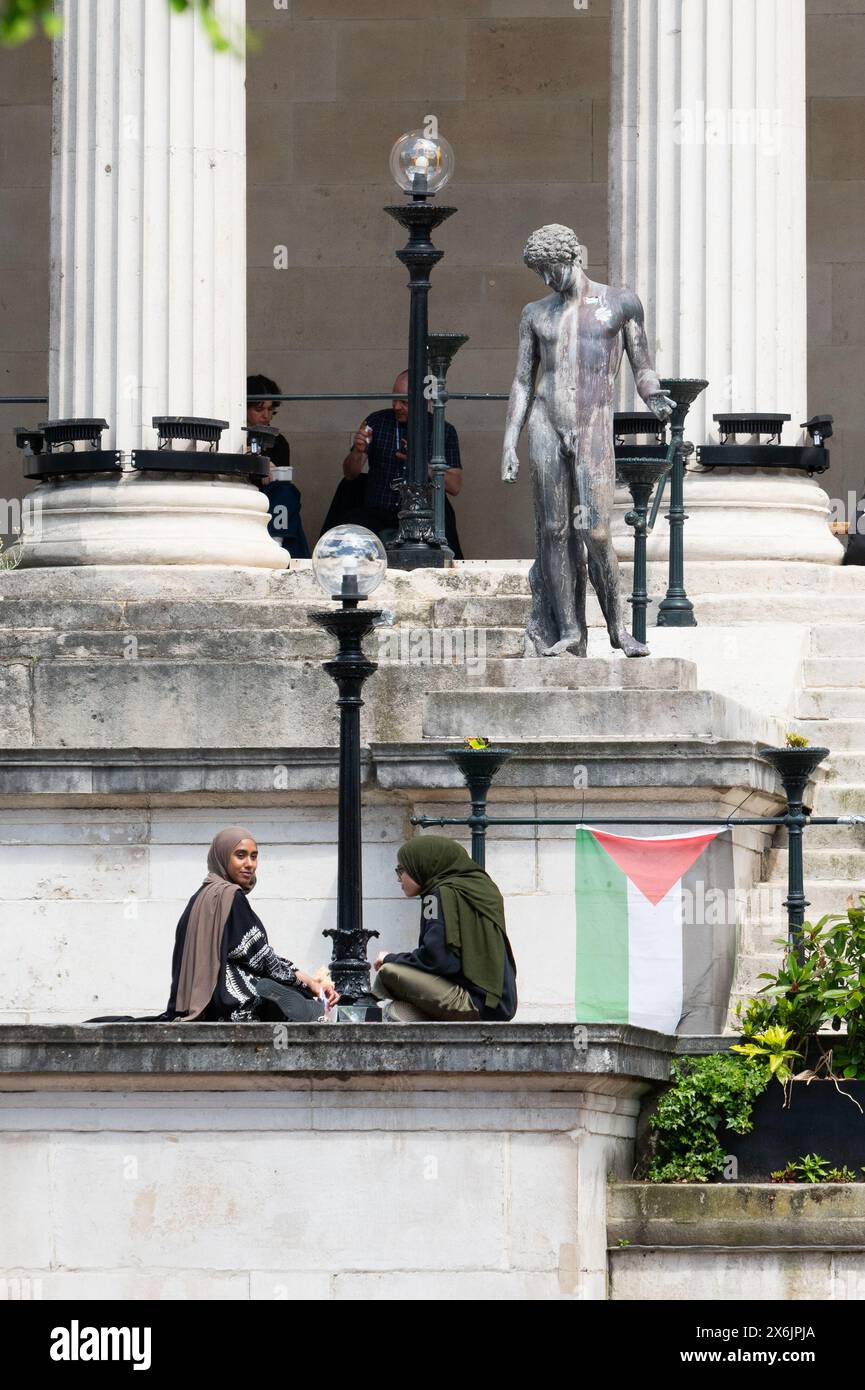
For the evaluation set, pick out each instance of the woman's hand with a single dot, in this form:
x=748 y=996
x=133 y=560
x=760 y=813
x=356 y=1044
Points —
x=319 y=988
x=379 y=960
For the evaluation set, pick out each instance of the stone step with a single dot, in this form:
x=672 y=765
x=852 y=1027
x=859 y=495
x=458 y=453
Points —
x=588 y=714
x=821 y=862
x=611 y=673
x=451 y=608
x=836 y=836
x=497 y=653
x=838 y=735
x=825 y=896
x=749 y=968
x=832 y=703
x=844 y=771
x=757 y=577
x=838 y=640
x=822 y=672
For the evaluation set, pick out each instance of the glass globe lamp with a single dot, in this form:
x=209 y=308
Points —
x=420 y=164
x=349 y=563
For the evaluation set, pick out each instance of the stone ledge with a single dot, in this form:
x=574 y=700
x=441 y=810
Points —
x=231 y=776
x=727 y=1216
x=616 y=1059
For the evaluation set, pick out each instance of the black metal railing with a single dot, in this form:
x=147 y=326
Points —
x=794 y=766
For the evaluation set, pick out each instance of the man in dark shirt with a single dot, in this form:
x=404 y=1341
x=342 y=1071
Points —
x=382 y=442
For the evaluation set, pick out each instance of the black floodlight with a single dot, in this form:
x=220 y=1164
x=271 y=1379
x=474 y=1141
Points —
x=757 y=422
x=65 y=434
x=190 y=428
x=261 y=438
x=819 y=427
x=29 y=439
x=50 y=452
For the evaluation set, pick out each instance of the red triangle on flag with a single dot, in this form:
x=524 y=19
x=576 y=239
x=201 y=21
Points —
x=654 y=865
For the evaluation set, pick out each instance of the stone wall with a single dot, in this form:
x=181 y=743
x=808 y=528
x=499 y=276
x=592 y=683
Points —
x=25 y=177
x=836 y=245
x=374 y=1161
x=733 y=1241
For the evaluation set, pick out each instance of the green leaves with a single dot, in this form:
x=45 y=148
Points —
x=825 y=989
x=771 y=1045
x=21 y=20
x=707 y=1094
x=813 y=1168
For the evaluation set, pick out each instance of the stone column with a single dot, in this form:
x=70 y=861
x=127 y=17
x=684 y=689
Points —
x=148 y=281
x=707 y=223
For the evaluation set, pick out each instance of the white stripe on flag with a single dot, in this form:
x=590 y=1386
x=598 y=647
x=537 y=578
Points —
x=655 y=949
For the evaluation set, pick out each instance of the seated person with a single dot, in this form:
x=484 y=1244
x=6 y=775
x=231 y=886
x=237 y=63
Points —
x=223 y=966
x=381 y=442
x=283 y=497
x=855 y=551
x=463 y=968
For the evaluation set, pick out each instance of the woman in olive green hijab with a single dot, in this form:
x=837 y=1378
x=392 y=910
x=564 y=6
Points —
x=463 y=968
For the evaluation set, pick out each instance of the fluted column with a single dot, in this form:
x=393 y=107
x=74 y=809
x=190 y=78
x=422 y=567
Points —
x=148 y=279
x=708 y=213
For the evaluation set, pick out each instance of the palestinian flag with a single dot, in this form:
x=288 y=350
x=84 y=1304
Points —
x=648 y=952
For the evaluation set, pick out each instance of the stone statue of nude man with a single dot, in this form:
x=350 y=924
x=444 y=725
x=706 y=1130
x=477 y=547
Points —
x=570 y=350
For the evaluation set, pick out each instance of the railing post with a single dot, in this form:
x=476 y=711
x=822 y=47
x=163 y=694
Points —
x=479 y=766
x=641 y=476
x=795 y=766
x=676 y=609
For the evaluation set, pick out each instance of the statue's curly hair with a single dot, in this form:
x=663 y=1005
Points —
x=551 y=244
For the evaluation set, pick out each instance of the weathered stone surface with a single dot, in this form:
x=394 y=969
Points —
x=777 y=1276
x=736 y=1215
x=564 y=714
x=16 y=707
x=616 y=1058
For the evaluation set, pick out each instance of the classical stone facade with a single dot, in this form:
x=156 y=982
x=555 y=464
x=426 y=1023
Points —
x=331 y=84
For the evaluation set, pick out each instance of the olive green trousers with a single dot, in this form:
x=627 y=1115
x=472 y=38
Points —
x=427 y=996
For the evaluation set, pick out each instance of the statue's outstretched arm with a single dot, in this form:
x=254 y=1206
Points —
x=637 y=348
x=520 y=398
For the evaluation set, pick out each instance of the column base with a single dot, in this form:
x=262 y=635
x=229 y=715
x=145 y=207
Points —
x=415 y=556
x=738 y=514
x=136 y=519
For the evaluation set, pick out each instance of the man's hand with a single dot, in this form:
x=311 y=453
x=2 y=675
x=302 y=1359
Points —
x=660 y=405
x=510 y=466
x=360 y=443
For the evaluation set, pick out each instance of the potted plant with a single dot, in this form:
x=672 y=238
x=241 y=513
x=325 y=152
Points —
x=808 y=1024
x=795 y=764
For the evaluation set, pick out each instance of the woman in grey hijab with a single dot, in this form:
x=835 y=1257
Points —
x=223 y=966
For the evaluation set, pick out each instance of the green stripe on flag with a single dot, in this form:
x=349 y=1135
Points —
x=601 y=994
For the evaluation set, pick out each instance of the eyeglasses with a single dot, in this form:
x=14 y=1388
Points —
x=399 y=871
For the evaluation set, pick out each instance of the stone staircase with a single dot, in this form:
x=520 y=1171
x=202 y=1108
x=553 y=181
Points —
x=830 y=712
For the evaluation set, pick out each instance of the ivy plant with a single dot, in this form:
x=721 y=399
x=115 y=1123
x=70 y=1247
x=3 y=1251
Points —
x=708 y=1094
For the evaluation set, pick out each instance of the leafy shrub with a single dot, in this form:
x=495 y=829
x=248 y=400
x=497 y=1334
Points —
x=707 y=1094
x=825 y=989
